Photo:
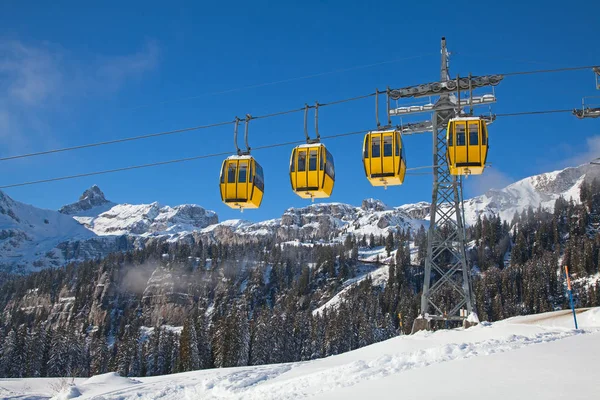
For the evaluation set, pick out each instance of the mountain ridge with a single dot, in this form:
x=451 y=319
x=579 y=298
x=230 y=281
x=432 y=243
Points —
x=94 y=226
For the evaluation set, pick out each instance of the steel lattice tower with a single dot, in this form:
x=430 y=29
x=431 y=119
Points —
x=446 y=266
x=446 y=236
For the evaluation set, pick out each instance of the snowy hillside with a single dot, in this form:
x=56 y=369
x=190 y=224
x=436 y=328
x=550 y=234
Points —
x=104 y=217
x=522 y=357
x=536 y=191
x=336 y=219
x=28 y=234
x=149 y=219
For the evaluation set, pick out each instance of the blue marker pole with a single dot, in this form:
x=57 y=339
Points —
x=571 y=295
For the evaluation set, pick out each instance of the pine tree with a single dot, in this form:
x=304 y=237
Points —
x=220 y=342
x=11 y=361
x=34 y=351
x=261 y=339
x=189 y=357
x=174 y=359
x=164 y=353
x=136 y=367
x=59 y=360
x=194 y=351
x=204 y=350
x=421 y=243
x=154 y=360
x=389 y=243
x=372 y=243
x=303 y=282
x=75 y=354
x=126 y=352
x=184 y=348
x=99 y=355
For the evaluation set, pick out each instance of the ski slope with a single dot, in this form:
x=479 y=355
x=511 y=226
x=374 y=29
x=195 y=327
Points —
x=534 y=357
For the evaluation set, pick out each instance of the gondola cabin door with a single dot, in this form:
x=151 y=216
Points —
x=313 y=171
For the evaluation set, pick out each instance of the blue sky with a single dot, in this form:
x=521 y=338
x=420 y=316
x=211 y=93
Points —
x=72 y=74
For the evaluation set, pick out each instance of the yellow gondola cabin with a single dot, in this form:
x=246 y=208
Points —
x=312 y=171
x=242 y=182
x=384 y=158
x=467 y=139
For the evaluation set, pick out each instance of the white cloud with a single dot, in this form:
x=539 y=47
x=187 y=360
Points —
x=492 y=178
x=590 y=153
x=40 y=80
x=32 y=73
x=112 y=72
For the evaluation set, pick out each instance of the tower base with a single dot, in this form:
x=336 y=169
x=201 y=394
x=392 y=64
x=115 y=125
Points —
x=421 y=324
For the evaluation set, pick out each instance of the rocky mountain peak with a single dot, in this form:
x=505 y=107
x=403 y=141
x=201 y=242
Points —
x=92 y=198
x=6 y=205
x=556 y=182
x=373 y=205
x=94 y=194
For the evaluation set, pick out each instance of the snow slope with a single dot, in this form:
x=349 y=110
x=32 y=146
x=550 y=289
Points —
x=535 y=191
x=151 y=219
x=105 y=218
x=534 y=357
x=379 y=275
x=28 y=233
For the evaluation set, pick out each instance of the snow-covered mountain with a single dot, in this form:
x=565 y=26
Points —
x=31 y=238
x=90 y=204
x=29 y=234
x=330 y=220
x=149 y=220
x=536 y=191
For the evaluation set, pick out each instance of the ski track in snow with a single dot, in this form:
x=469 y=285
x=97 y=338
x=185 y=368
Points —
x=269 y=382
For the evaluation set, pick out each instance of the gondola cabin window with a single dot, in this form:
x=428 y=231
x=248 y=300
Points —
x=473 y=134
x=231 y=173
x=322 y=159
x=484 y=136
x=375 y=146
x=460 y=135
x=387 y=146
x=301 y=160
x=259 y=180
x=312 y=160
x=329 y=167
x=242 y=173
